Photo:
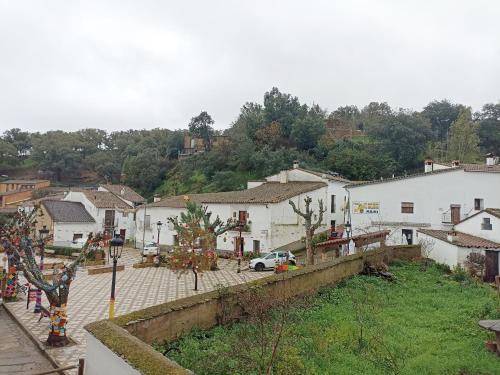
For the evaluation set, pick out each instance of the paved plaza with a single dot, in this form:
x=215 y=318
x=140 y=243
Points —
x=135 y=289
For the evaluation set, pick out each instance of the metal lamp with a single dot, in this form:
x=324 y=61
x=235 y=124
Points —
x=115 y=252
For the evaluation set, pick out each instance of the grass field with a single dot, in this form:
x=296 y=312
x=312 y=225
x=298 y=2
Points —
x=424 y=323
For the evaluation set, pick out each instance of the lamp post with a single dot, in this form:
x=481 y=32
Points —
x=158 y=226
x=240 y=247
x=115 y=252
x=43 y=233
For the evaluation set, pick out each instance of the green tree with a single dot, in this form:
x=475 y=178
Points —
x=19 y=139
x=442 y=114
x=142 y=171
x=464 y=139
x=283 y=109
x=307 y=131
x=489 y=128
x=201 y=126
x=8 y=155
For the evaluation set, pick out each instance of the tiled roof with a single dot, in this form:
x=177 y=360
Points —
x=105 y=199
x=67 y=212
x=328 y=176
x=421 y=174
x=462 y=239
x=125 y=192
x=461 y=167
x=269 y=192
x=493 y=211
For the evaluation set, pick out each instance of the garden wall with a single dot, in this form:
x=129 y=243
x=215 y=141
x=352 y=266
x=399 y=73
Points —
x=170 y=320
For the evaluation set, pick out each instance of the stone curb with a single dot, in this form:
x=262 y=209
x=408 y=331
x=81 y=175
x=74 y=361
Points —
x=33 y=338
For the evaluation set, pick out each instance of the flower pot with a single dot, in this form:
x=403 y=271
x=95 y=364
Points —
x=491 y=346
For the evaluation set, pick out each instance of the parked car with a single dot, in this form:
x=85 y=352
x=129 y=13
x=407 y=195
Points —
x=151 y=248
x=270 y=260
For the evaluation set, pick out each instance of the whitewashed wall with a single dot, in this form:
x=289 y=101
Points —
x=101 y=360
x=63 y=232
x=473 y=226
x=123 y=222
x=431 y=194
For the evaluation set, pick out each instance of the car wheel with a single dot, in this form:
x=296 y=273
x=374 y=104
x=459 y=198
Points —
x=259 y=267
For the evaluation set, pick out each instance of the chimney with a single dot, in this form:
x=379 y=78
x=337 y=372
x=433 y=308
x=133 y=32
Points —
x=295 y=164
x=156 y=198
x=451 y=236
x=429 y=165
x=491 y=159
x=455 y=163
x=283 y=177
x=122 y=191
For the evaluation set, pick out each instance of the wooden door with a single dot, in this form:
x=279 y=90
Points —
x=122 y=234
x=242 y=217
x=491 y=265
x=109 y=218
x=455 y=214
x=239 y=241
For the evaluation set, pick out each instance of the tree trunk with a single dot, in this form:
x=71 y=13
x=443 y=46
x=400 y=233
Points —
x=309 y=249
x=58 y=321
x=195 y=278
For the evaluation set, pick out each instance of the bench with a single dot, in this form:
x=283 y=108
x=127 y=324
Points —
x=94 y=270
x=492 y=325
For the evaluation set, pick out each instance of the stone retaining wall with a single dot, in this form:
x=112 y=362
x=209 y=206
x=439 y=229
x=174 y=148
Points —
x=168 y=321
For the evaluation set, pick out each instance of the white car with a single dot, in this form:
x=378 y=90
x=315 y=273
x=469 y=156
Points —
x=151 y=248
x=272 y=259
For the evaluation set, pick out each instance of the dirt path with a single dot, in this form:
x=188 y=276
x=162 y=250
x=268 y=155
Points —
x=18 y=354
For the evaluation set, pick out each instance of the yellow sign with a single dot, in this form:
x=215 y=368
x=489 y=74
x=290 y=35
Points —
x=366 y=207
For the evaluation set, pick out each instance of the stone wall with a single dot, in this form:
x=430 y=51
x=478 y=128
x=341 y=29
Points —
x=128 y=335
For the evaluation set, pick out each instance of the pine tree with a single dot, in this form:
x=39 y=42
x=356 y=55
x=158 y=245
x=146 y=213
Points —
x=464 y=139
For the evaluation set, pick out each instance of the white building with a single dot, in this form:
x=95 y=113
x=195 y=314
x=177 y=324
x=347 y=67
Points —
x=270 y=220
x=439 y=198
x=66 y=221
x=109 y=211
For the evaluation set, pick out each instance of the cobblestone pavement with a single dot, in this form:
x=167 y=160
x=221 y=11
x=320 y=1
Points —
x=135 y=290
x=18 y=354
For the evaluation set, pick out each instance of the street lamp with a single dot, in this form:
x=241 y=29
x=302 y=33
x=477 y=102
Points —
x=240 y=247
x=43 y=234
x=115 y=252
x=158 y=226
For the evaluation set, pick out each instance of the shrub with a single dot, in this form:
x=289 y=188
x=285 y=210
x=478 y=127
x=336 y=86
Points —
x=475 y=263
x=63 y=250
x=459 y=274
x=443 y=268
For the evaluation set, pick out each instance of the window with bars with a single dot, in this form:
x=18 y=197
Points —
x=407 y=207
x=478 y=204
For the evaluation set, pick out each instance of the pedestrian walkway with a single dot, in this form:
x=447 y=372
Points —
x=135 y=289
x=18 y=354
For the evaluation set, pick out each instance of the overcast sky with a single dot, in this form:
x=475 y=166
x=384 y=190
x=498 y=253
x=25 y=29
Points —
x=143 y=64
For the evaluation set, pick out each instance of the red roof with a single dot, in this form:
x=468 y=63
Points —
x=342 y=241
x=462 y=239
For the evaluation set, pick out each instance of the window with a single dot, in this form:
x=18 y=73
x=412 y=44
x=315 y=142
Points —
x=332 y=204
x=77 y=236
x=486 y=224
x=407 y=207
x=332 y=225
x=478 y=204
x=242 y=217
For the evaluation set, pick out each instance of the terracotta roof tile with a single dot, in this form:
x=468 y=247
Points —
x=462 y=239
x=269 y=192
x=125 y=192
x=105 y=199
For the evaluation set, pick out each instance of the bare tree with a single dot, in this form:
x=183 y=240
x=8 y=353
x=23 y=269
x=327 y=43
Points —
x=475 y=263
x=426 y=246
x=309 y=225
x=16 y=239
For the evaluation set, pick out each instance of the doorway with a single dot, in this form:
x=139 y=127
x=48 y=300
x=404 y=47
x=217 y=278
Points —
x=408 y=236
x=455 y=213
x=491 y=265
x=239 y=243
x=122 y=234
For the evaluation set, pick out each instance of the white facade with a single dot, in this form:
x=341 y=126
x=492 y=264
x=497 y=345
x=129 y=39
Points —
x=270 y=226
x=124 y=218
x=430 y=195
x=447 y=253
x=474 y=225
x=64 y=233
x=335 y=196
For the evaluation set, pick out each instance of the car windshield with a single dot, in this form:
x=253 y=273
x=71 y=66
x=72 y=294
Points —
x=270 y=256
x=151 y=244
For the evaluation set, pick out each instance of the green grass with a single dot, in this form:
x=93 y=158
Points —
x=424 y=323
